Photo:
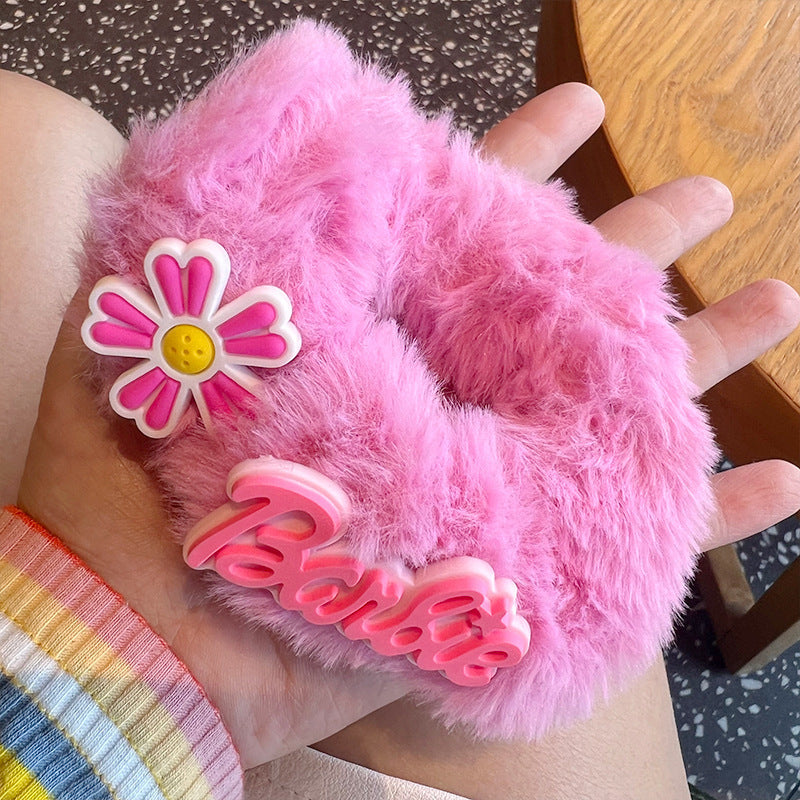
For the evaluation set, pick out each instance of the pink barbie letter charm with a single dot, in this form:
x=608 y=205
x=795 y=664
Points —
x=281 y=531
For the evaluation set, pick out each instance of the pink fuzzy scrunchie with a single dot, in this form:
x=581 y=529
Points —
x=480 y=372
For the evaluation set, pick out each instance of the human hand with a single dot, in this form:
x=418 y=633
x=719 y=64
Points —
x=664 y=223
x=272 y=700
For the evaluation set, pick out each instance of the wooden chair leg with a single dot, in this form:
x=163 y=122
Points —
x=749 y=633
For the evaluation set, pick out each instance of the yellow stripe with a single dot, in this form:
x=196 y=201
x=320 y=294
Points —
x=131 y=705
x=17 y=782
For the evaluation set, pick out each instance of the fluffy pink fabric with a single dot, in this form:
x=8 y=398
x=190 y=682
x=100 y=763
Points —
x=481 y=372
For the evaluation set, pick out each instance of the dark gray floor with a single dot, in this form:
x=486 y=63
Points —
x=138 y=57
x=739 y=735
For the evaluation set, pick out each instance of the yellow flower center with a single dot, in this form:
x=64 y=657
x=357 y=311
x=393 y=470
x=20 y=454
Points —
x=187 y=349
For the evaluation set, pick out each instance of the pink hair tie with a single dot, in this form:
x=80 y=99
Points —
x=411 y=411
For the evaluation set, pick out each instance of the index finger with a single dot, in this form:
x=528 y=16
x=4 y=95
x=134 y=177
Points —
x=539 y=137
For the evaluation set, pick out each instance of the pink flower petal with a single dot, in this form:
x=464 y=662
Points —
x=198 y=279
x=110 y=334
x=160 y=409
x=168 y=274
x=214 y=400
x=253 y=318
x=269 y=345
x=119 y=308
x=223 y=394
x=135 y=394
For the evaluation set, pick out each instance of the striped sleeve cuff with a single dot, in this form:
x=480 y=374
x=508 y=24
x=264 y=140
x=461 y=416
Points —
x=93 y=703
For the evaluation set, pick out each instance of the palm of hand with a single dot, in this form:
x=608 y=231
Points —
x=272 y=700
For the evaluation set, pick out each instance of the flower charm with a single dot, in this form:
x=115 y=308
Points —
x=189 y=346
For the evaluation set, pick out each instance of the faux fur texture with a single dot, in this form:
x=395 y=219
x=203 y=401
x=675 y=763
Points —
x=481 y=372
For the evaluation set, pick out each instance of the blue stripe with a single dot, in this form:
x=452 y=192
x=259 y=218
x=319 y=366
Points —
x=43 y=748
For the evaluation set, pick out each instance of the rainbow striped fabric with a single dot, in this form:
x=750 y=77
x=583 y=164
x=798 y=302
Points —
x=93 y=703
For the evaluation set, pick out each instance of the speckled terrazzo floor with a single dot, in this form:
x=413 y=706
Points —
x=739 y=735
x=129 y=58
